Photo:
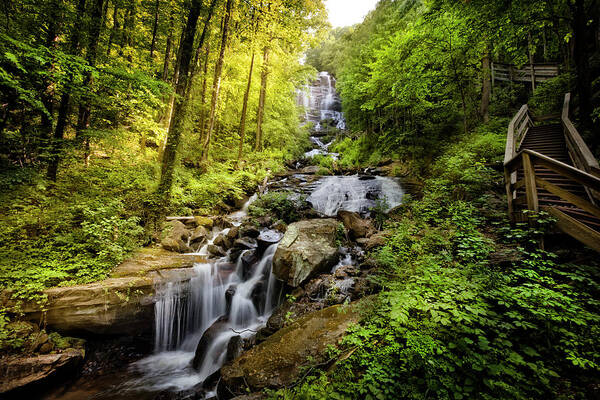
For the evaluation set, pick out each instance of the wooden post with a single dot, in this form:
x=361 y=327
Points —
x=530 y=186
x=531 y=62
x=509 y=195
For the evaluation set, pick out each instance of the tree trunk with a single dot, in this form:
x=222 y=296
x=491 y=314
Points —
x=48 y=92
x=264 y=75
x=202 y=121
x=63 y=109
x=486 y=91
x=582 y=64
x=177 y=125
x=242 y=130
x=85 y=109
x=114 y=31
x=217 y=80
x=154 y=28
x=165 y=74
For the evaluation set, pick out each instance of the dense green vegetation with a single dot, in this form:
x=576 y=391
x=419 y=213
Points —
x=415 y=74
x=471 y=307
x=89 y=98
x=116 y=113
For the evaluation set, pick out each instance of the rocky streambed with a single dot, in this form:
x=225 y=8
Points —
x=225 y=305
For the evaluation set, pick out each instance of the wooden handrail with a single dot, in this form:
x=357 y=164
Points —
x=512 y=139
x=582 y=177
x=581 y=154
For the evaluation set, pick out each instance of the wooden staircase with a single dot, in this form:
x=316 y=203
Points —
x=549 y=167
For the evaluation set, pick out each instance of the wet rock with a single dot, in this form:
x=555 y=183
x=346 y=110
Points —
x=205 y=222
x=216 y=250
x=120 y=305
x=21 y=372
x=366 y=177
x=374 y=241
x=268 y=238
x=345 y=271
x=234 y=233
x=279 y=226
x=222 y=222
x=176 y=246
x=245 y=243
x=234 y=348
x=307 y=248
x=357 y=227
x=223 y=241
x=199 y=236
x=278 y=361
x=249 y=231
x=229 y=293
x=249 y=258
x=176 y=237
x=258 y=295
x=207 y=338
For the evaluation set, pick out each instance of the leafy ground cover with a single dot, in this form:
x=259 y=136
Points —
x=471 y=307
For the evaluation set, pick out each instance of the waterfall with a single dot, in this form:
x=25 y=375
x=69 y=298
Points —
x=354 y=193
x=222 y=300
x=321 y=103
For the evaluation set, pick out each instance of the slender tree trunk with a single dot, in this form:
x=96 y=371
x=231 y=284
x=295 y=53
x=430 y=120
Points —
x=486 y=91
x=114 y=31
x=154 y=28
x=48 y=92
x=242 y=130
x=217 y=80
x=85 y=109
x=202 y=121
x=63 y=109
x=264 y=76
x=165 y=74
x=176 y=128
x=584 y=82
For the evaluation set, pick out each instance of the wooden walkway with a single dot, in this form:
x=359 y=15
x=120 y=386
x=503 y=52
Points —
x=548 y=167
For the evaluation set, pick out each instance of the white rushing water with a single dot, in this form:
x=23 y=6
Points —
x=198 y=311
x=321 y=105
x=354 y=193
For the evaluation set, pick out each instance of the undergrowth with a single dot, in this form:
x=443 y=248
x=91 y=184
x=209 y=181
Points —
x=471 y=307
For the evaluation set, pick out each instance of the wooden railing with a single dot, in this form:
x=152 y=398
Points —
x=528 y=159
x=580 y=154
x=517 y=129
x=536 y=73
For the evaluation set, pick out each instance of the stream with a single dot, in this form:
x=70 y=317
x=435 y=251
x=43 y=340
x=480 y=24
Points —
x=228 y=299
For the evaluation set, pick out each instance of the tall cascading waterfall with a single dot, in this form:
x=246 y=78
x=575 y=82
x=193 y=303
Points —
x=195 y=320
x=322 y=108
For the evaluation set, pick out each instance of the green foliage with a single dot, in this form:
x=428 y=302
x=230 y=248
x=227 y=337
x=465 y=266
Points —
x=450 y=324
x=549 y=96
x=285 y=206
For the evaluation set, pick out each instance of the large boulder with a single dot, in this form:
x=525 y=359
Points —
x=120 y=305
x=176 y=238
x=29 y=371
x=279 y=360
x=308 y=248
x=357 y=227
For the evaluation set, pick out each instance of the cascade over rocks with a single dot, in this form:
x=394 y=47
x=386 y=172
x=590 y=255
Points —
x=307 y=248
x=278 y=361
